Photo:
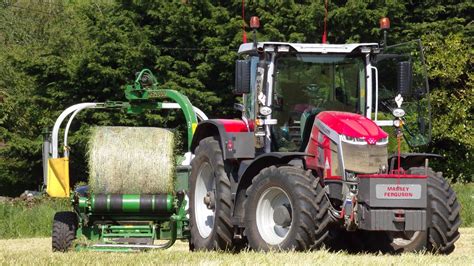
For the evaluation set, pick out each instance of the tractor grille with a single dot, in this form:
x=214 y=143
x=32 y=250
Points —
x=365 y=159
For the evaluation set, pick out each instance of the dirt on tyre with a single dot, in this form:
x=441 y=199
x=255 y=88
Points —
x=286 y=209
x=64 y=230
x=210 y=203
x=443 y=221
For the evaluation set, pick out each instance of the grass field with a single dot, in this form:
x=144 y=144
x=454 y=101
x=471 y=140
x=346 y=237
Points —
x=20 y=219
x=38 y=251
x=465 y=195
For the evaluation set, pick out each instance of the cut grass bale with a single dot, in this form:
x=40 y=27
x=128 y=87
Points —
x=131 y=160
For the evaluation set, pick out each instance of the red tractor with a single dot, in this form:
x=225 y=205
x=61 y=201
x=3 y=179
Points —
x=308 y=163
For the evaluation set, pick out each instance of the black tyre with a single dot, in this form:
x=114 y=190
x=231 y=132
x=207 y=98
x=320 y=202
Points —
x=210 y=201
x=442 y=216
x=64 y=230
x=443 y=212
x=286 y=208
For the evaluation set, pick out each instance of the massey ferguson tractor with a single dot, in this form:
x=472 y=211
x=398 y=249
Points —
x=319 y=154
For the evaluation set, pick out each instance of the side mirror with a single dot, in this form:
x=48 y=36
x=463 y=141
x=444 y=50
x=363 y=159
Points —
x=239 y=107
x=242 y=77
x=404 y=77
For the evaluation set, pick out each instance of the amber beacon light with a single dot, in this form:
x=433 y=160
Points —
x=384 y=23
x=254 y=22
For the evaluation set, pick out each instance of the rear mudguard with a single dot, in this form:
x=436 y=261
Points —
x=233 y=135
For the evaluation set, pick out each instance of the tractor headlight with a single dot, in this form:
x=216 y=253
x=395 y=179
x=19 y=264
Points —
x=382 y=141
x=354 y=140
x=397 y=123
x=265 y=110
x=398 y=112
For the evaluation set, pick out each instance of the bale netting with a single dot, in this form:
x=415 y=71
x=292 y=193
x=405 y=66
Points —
x=131 y=160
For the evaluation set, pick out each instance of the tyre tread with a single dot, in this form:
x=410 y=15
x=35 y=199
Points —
x=64 y=230
x=223 y=226
x=310 y=230
x=445 y=209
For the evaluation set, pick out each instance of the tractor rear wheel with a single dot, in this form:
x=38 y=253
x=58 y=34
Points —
x=210 y=201
x=64 y=230
x=442 y=217
x=286 y=208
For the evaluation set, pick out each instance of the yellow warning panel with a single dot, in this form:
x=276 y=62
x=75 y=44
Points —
x=58 y=177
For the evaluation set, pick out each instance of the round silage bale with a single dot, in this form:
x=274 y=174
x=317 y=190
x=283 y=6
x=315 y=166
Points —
x=131 y=160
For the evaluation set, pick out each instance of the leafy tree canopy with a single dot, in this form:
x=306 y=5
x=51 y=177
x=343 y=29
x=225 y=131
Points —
x=54 y=54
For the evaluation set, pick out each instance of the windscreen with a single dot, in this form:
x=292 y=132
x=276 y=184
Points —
x=391 y=64
x=308 y=84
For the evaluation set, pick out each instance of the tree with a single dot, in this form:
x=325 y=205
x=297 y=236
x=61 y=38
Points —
x=55 y=54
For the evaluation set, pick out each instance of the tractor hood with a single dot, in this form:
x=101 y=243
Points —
x=353 y=125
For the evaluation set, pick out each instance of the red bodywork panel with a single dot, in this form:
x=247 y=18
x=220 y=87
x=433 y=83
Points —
x=353 y=125
x=342 y=123
x=392 y=176
x=232 y=125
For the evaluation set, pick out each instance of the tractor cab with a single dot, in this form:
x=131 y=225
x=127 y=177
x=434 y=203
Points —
x=285 y=85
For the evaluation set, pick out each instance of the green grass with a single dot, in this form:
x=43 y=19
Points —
x=465 y=194
x=21 y=219
x=38 y=251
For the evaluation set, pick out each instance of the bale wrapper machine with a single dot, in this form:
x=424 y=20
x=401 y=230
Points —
x=115 y=221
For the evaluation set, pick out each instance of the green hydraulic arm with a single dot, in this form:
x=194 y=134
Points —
x=144 y=94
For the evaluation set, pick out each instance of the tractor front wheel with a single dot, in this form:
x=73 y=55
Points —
x=285 y=209
x=210 y=201
x=64 y=230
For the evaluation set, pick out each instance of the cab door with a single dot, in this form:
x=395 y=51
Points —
x=401 y=70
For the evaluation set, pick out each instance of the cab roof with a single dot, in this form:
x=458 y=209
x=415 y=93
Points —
x=307 y=47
